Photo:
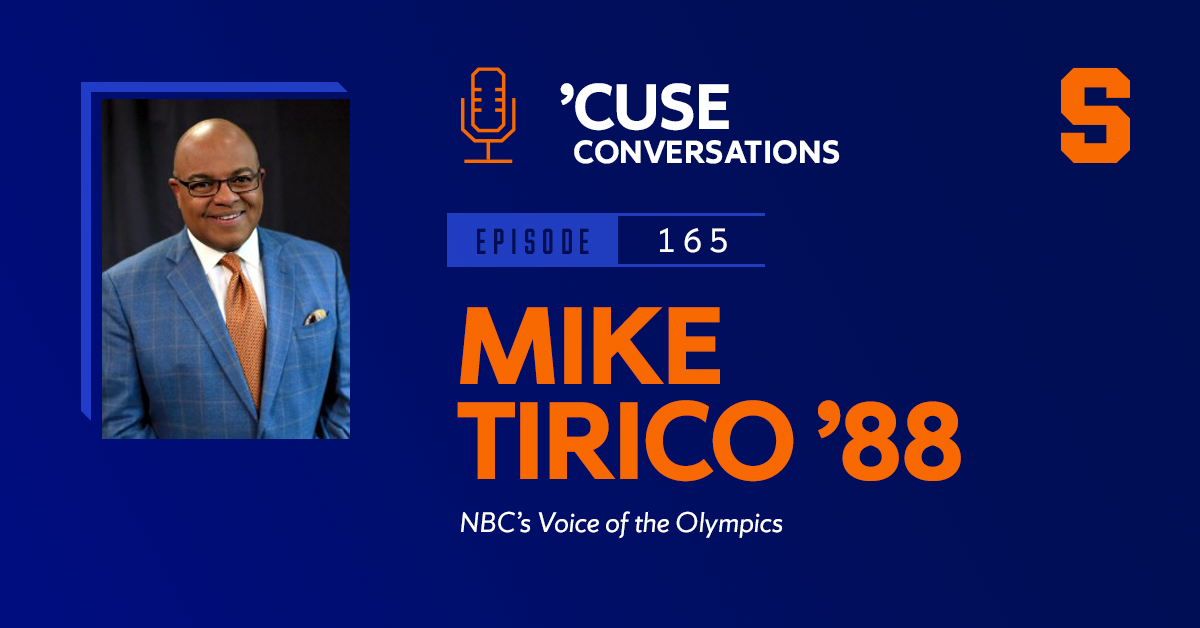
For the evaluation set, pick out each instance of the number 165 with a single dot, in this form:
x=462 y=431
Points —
x=692 y=243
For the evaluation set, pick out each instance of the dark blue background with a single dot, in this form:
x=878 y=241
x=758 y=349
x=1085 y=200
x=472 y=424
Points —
x=952 y=254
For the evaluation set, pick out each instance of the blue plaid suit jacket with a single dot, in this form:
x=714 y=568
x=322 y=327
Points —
x=170 y=369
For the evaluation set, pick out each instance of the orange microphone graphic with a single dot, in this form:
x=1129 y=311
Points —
x=486 y=119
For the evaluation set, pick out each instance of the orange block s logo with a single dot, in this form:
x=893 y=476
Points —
x=1116 y=86
x=492 y=112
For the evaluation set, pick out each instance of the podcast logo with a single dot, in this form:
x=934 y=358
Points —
x=488 y=120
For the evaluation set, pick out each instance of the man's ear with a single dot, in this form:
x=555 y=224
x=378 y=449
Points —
x=176 y=188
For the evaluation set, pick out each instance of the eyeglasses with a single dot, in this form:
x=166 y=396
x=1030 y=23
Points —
x=210 y=187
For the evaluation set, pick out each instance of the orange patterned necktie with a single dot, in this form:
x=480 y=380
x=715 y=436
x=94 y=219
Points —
x=244 y=319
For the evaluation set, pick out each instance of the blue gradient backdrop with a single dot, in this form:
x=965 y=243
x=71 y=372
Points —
x=952 y=254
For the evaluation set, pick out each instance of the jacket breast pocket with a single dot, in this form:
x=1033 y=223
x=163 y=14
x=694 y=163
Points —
x=316 y=338
x=308 y=363
x=318 y=329
x=315 y=341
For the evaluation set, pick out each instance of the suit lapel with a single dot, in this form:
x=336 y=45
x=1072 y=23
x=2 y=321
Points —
x=189 y=282
x=281 y=304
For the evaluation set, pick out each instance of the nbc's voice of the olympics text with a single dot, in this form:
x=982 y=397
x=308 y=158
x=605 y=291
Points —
x=687 y=522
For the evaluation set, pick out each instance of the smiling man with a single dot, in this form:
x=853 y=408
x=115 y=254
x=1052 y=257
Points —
x=225 y=330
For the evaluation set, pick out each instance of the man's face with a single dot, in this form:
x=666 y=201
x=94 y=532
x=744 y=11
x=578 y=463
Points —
x=225 y=220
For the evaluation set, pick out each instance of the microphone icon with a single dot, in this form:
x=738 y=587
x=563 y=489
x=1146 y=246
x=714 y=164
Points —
x=499 y=115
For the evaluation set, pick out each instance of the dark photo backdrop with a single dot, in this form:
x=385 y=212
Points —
x=303 y=144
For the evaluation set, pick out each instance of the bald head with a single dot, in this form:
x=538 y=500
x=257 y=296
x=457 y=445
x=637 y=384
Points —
x=215 y=136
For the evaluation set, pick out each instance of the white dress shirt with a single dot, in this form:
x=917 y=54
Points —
x=218 y=276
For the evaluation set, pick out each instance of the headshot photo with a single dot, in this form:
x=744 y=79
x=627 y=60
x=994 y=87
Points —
x=225 y=244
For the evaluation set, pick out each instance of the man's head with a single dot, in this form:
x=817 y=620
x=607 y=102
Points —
x=213 y=160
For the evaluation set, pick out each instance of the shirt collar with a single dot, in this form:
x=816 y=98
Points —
x=210 y=257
